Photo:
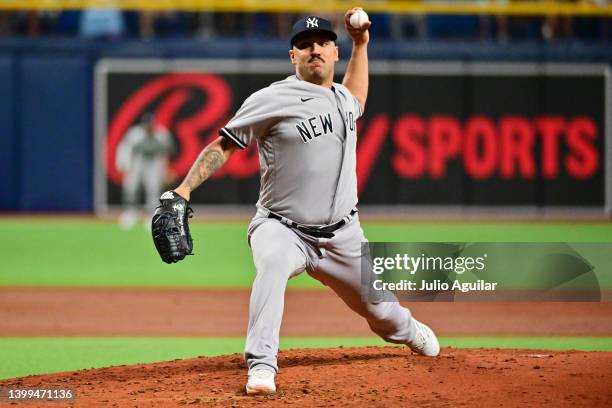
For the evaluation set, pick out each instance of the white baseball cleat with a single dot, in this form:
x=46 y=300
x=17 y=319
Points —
x=425 y=341
x=261 y=382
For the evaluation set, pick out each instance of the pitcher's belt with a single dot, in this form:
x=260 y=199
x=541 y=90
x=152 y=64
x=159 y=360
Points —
x=326 y=231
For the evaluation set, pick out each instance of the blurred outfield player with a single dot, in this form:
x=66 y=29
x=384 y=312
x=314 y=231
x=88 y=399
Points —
x=142 y=157
x=306 y=219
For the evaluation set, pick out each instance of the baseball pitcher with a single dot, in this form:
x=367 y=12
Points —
x=307 y=219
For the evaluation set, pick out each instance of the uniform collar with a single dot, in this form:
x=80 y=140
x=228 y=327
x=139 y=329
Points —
x=295 y=78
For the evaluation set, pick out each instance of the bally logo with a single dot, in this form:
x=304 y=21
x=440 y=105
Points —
x=315 y=127
x=312 y=22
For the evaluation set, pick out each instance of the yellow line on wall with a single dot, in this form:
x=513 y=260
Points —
x=533 y=8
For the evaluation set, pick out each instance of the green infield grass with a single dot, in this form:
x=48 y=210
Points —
x=21 y=356
x=75 y=252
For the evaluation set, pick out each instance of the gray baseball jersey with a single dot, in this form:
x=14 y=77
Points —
x=307 y=137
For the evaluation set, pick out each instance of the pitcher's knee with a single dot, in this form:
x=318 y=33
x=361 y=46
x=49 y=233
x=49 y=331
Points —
x=277 y=259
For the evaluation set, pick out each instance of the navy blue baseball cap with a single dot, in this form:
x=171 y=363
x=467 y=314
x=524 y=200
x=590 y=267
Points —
x=312 y=24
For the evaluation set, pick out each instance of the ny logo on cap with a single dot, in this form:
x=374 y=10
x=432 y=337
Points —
x=312 y=22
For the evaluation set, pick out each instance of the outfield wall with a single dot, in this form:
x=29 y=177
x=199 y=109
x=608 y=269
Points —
x=449 y=141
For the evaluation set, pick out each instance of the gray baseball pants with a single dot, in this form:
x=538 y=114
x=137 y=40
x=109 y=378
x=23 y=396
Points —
x=280 y=253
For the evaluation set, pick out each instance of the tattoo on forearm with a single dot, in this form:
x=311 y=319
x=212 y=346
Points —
x=207 y=163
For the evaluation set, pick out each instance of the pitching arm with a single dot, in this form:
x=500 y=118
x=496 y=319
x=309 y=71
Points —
x=356 y=76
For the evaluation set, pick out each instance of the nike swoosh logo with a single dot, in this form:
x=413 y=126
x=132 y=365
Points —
x=305 y=99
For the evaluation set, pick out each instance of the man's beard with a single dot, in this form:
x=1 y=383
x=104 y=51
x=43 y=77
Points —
x=315 y=74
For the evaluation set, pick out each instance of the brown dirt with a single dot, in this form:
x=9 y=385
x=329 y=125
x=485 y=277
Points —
x=205 y=312
x=373 y=376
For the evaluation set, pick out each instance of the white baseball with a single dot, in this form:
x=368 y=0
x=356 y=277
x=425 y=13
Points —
x=359 y=19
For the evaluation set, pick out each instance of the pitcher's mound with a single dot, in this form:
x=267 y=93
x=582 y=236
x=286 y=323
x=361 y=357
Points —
x=339 y=377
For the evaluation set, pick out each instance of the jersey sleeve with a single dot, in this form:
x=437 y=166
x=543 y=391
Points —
x=352 y=102
x=251 y=121
x=358 y=109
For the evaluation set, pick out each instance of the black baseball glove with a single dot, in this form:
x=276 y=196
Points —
x=170 y=227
